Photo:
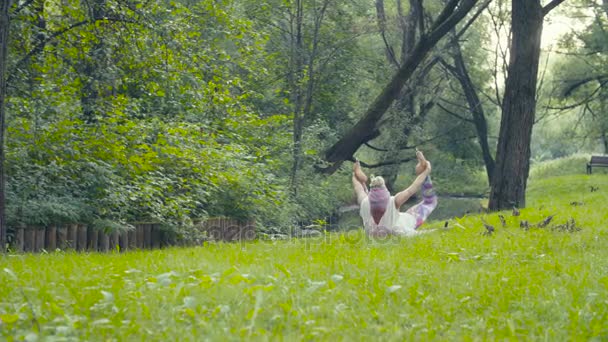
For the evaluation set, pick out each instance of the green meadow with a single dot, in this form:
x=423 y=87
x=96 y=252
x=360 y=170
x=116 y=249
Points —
x=457 y=283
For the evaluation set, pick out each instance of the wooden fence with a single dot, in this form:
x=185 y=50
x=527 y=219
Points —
x=144 y=236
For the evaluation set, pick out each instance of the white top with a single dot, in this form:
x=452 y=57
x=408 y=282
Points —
x=393 y=220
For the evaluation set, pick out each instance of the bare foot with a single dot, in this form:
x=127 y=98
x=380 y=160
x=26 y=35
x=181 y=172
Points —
x=422 y=163
x=361 y=177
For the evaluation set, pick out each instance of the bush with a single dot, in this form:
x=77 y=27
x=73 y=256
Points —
x=120 y=171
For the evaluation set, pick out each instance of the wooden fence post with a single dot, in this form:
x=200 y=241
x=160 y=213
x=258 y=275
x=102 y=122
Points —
x=81 y=244
x=19 y=237
x=62 y=237
x=29 y=239
x=103 y=241
x=123 y=241
x=72 y=240
x=156 y=236
x=40 y=232
x=51 y=238
x=92 y=239
x=114 y=240
x=132 y=237
x=140 y=236
x=147 y=235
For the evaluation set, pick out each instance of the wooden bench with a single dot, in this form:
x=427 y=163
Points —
x=597 y=161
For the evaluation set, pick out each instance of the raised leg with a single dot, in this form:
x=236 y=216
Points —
x=421 y=166
x=359 y=175
x=422 y=210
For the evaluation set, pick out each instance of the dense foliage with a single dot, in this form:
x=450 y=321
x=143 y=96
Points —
x=144 y=112
x=172 y=111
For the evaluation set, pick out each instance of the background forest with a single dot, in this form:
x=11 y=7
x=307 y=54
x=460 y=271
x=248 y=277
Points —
x=170 y=111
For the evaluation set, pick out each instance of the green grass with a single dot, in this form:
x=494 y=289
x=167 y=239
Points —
x=571 y=165
x=455 y=284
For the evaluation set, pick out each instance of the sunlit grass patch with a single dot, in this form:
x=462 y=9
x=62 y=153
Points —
x=459 y=283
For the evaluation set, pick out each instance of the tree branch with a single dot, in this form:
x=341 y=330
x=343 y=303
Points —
x=381 y=17
x=365 y=129
x=445 y=13
x=379 y=149
x=454 y=114
x=550 y=6
x=580 y=83
x=385 y=163
x=473 y=18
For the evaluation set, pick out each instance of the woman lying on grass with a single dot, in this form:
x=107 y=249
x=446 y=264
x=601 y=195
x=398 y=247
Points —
x=380 y=211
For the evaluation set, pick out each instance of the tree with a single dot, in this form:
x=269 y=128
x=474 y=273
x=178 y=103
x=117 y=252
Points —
x=519 y=105
x=366 y=128
x=302 y=74
x=581 y=77
x=410 y=107
x=4 y=35
x=478 y=117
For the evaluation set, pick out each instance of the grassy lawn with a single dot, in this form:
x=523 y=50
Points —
x=452 y=284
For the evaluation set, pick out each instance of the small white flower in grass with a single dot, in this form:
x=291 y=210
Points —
x=166 y=278
x=10 y=273
x=341 y=307
x=337 y=277
x=465 y=299
x=315 y=285
x=107 y=296
x=393 y=288
x=101 y=321
x=189 y=302
x=132 y=270
x=31 y=337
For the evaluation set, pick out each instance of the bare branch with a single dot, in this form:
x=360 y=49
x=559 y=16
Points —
x=445 y=14
x=381 y=18
x=580 y=83
x=379 y=149
x=473 y=18
x=550 y=6
x=420 y=14
x=454 y=114
x=365 y=129
x=385 y=163
x=580 y=103
x=452 y=103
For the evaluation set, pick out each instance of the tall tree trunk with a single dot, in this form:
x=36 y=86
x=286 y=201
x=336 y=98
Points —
x=303 y=80
x=296 y=76
x=603 y=126
x=475 y=106
x=4 y=34
x=518 y=108
x=94 y=68
x=381 y=18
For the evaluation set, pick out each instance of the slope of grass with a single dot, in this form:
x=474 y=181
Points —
x=451 y=284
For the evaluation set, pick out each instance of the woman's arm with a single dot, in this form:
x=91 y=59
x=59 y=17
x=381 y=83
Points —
x=404 y=195
x=359 y=179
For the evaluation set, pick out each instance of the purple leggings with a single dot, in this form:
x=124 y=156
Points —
x=422 y=210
